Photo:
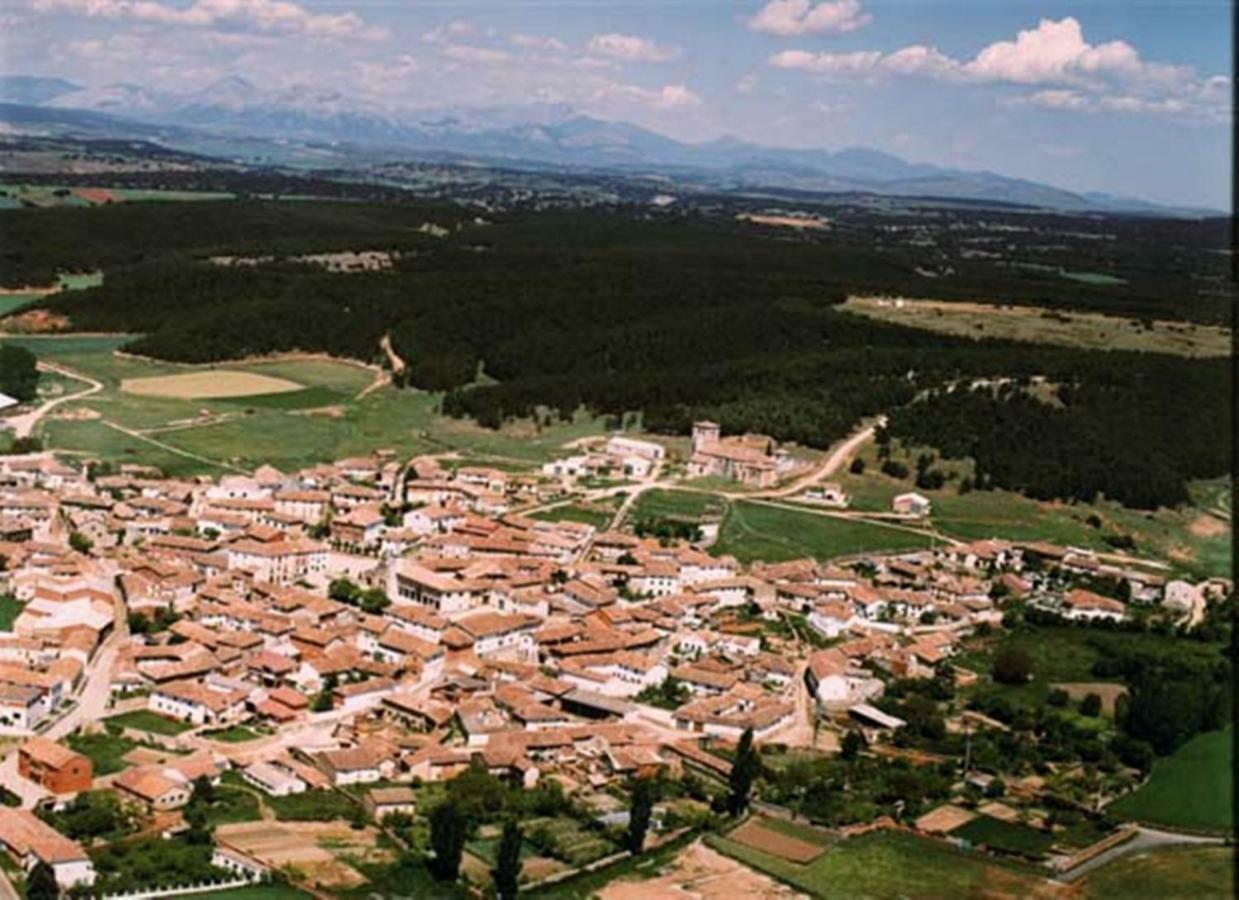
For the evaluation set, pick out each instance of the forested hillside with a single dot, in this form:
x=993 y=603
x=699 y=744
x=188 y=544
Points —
x=676 y=316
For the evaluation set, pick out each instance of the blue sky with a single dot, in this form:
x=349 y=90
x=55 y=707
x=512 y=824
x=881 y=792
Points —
x=1128 y=97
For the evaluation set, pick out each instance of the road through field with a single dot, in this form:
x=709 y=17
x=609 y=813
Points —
x=23 y=424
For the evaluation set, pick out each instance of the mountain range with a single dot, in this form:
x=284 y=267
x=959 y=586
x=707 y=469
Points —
x=542 y=135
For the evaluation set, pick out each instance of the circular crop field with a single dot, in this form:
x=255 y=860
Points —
x=211 y=385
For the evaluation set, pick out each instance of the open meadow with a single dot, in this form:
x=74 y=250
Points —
x=286 y=411
x=1043 y=326
x=1193 y=789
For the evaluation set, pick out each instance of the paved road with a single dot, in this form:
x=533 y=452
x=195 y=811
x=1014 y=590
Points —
x=7 y=891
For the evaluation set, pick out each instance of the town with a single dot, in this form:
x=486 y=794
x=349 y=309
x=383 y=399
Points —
x=289 y=677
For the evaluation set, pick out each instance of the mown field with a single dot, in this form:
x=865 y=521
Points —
x=1193 y=789
x=883 y=865
x=753 y=530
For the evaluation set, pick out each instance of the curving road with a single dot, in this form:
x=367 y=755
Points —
x=24 y=424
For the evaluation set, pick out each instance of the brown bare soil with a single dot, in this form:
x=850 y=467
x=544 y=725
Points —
x=699 y=873
x=1207 y=526
x=1107 y=691
x=759 y=836
x=944 y=819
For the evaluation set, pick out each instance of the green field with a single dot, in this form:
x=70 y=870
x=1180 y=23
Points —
x=757 y=531
x=1193 y=789
x=882 y=865
x=1170 y=873
x=1194 y=539
x=105 y=751
x=591 y=515
x=145 y=720
x=10 y=609
x=322 y=422
x=691 y=506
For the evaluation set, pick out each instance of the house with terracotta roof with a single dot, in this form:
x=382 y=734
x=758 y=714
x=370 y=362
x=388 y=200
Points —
x=29 y=841
x=748 y=459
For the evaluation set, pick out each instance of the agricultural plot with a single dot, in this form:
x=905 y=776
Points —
x=766 y=835
x=1004 y=837
x=567 y=839
x=1191 y=789
x=324 y=853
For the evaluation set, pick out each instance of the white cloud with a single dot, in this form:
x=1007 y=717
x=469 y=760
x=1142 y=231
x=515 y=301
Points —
x=629 y=48
x=538 y=42
x=1072 y=73
x=456 y=30
x=788 y=18
x=747 y=83
x=264 y=16
x=667 y=97
x=467 y=53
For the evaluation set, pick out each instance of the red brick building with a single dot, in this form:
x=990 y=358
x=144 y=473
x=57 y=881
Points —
x=55 y=768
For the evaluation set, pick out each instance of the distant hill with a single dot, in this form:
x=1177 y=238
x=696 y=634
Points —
x=546 y=134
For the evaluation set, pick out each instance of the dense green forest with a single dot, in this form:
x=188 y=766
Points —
x=676 y=316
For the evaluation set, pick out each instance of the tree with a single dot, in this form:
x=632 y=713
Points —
x=1091 y=705
x=639 y=815
x=1057 y=697
x=507 y=871
x=1012 y=665
x=80 y=542
x=203 y=792
x=325 y=699
x=19 y=375
x=857 y=467
x=744 y=769
x=41 y=883
x=853 y=743
x=448 y=833
x=343 y=590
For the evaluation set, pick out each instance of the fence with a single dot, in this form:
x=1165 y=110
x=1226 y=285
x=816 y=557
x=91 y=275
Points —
x=182 y=890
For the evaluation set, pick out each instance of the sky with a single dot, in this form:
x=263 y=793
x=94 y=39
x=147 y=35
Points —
x=1131 y=97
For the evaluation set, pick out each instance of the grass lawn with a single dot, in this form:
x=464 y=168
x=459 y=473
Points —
x=1191 y=789
x=892 y=865
x=10 y=609
x=312 y=806
x=648 y=865
x=145 y=720
x=236 y=734
x=1170 y=873
x=106 y=752
x=756 y=531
